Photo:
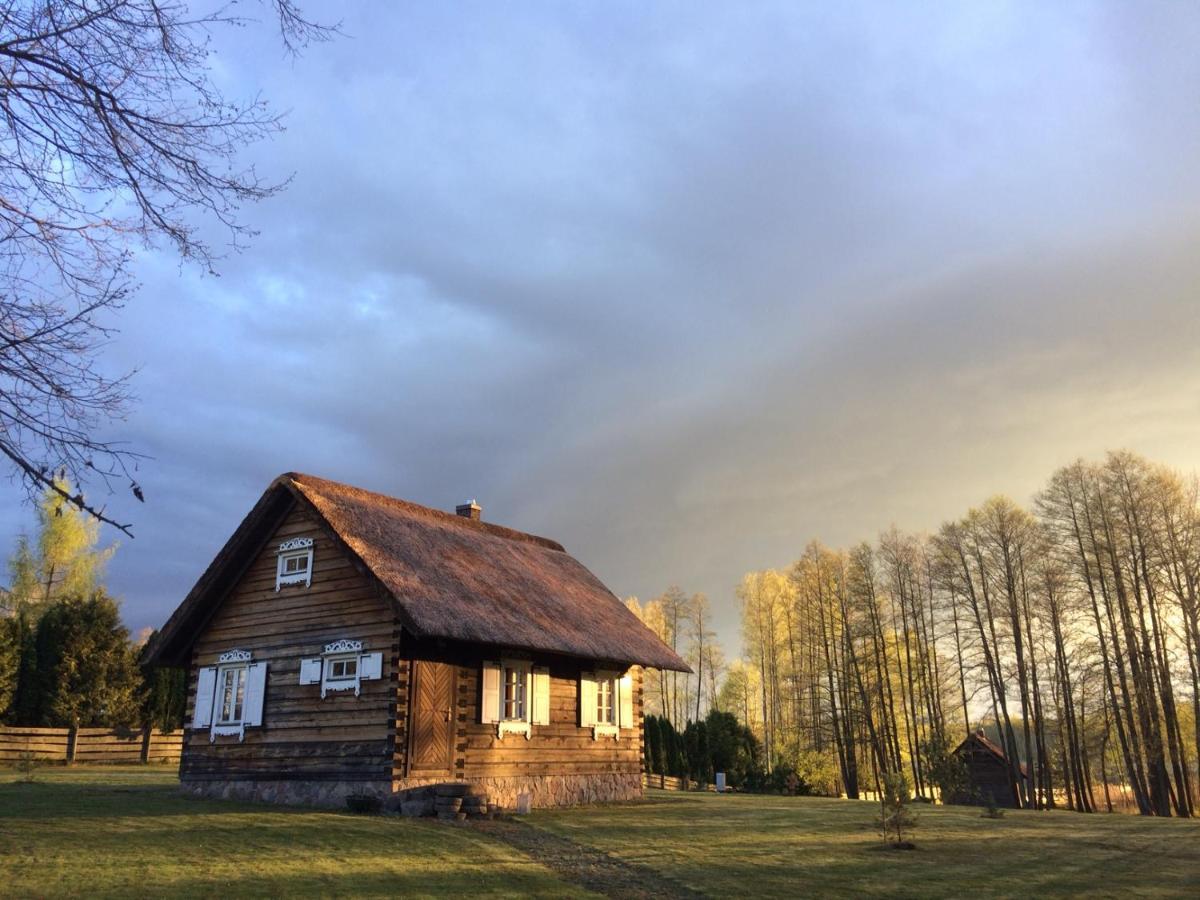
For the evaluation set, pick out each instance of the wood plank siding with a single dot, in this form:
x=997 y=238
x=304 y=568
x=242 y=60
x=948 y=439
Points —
x=343 y=738
x=340 y=737
x=560 y=748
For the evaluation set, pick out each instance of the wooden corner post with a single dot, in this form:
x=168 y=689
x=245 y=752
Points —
x=72 y=742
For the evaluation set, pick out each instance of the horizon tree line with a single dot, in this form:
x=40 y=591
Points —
x=1068 y=630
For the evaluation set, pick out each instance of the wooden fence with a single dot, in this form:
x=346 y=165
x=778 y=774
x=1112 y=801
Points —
x=668 y=783
x=90 y=745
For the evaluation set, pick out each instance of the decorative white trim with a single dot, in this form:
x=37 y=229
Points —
x=296 y=548
x=367 y=666
x=513 y=726
x=300 y=543
x=233 y=656
x=238 y=731
x=346 y=684
x=599 y=731
x=344 y=646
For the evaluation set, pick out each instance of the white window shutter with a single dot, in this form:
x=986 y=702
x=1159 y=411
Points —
x=310 y=670
x=587 y=699
x=489 y=707
x=541 y=696
x=206 y=689
x=370 y=666
x=625 y=692
x=256 y=689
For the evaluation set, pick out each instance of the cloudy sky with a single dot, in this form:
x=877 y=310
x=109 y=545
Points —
x=686 y=285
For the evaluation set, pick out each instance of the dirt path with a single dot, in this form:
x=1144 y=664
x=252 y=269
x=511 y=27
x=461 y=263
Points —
x=585 y=866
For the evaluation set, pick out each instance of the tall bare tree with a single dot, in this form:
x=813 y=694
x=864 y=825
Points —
x=1070 y=630
x=113 y=135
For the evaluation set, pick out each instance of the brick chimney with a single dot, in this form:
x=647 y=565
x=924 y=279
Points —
x=470 y=510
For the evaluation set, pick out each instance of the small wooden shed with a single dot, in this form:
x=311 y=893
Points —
x=343 y=642
x=987 y=772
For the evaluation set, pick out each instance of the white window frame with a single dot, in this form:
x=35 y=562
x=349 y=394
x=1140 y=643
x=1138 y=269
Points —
x=296 y=548
x=344 y=661
x=611 y=728
x=241 y=671
x=341 y=651
x=521 y=724
x=231 y=662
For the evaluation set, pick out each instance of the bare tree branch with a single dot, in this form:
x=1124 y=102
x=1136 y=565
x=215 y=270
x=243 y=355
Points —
x=112 y=134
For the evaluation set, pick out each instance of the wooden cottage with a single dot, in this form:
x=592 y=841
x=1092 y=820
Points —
x=987 y=772
x=345 y=642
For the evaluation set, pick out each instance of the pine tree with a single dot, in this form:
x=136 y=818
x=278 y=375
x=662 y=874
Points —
x=660 y=745
x=26 y=705
x=87 y=670
x=10 y=663
x=164 y=698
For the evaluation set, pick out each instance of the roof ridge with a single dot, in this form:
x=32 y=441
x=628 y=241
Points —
x=299 y=479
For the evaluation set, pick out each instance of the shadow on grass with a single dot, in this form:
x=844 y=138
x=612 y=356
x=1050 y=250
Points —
x=384 y=882
x=61 y=799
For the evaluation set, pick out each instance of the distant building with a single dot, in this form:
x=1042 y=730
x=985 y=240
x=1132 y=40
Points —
x=987 y=773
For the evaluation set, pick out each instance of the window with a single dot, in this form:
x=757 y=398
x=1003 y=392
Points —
x=343 y=669
x=515 y=696
x=229 y=695
x=514 y=692
x=606 y=697
x=606 y=703
x=231 y=691
x=294 y=565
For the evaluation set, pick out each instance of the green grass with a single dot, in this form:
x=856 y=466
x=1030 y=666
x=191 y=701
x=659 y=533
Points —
x=785 y=846
x=125 y=831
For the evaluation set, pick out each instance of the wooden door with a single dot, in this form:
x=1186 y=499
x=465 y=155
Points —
x=432 y=720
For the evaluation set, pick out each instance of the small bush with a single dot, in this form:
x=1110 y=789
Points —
x=895 y=817
x=363 y=804
x=990 y=808
x=27 y=764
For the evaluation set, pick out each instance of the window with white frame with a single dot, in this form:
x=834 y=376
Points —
x=606 y=703
x=229 y=695
x=515 y=677
x=606 y=699
x=342 y=667
x=515 y=696
x=294 y=560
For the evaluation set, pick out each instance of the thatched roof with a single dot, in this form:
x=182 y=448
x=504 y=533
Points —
x=446 y=576
x=981 y=740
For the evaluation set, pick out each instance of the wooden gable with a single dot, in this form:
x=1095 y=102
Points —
x=303 y=735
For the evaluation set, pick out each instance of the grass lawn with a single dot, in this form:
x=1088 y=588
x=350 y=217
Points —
x=125 y=831
x=789 y=846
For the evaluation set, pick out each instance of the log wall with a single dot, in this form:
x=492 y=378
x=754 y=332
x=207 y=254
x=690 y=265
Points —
x=310 y=750
x=561 y=748
x=339 y=738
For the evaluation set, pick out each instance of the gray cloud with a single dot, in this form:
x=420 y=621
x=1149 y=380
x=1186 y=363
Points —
x=684 y=287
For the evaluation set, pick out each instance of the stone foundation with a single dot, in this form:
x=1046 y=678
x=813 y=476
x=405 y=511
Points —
x=544 y=790
x=287 y=792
